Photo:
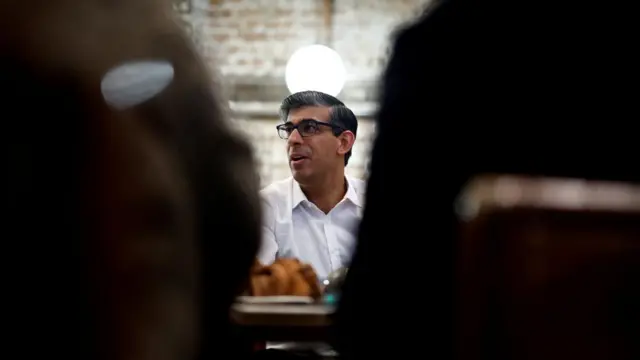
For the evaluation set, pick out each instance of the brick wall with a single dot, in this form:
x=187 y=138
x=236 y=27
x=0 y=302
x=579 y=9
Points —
x=256 y=37
x=248 y=43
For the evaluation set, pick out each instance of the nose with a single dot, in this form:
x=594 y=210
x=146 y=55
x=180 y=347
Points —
x=295 y=138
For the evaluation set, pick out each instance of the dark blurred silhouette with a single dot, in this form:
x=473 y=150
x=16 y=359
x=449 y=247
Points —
x=472 y=88
x=128 y=229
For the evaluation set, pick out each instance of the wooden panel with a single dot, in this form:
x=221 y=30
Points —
x=546 y=276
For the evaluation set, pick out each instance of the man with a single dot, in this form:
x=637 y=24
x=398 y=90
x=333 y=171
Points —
x=313 y=215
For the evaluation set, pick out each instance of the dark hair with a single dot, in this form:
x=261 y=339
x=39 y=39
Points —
x=341 y=115
x=188 y=177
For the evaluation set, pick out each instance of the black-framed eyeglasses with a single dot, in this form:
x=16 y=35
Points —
x=306 y=127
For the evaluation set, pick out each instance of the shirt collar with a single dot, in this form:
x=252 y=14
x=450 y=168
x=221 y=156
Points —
x=298 y=196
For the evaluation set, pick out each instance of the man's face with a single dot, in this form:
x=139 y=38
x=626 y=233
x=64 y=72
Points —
x=319 y=151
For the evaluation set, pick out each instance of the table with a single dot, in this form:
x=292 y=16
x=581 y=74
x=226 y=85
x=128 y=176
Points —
x=283 y=322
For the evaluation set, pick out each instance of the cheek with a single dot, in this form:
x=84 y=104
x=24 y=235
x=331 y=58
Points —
x=324 y=148
x=318 y=149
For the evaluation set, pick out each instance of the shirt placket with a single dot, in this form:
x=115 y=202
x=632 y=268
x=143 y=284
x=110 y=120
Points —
x=332 y=244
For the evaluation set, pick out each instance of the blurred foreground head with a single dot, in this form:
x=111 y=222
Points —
x=502 y=85
x=124 y=193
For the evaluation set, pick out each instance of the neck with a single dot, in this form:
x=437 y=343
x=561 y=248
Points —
x=328 y=192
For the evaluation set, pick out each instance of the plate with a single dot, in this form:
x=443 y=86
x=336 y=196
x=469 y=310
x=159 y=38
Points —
x=275 y=299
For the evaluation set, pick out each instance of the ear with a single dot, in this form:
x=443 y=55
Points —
x=346 y=139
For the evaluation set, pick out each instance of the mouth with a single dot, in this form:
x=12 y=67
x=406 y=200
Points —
x=297 y=159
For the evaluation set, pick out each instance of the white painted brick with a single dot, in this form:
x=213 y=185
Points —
x=256 y=38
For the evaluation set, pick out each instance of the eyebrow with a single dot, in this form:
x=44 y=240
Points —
x=301 y=120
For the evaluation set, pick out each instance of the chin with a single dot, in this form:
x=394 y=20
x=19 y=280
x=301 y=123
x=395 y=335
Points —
x=300 y=176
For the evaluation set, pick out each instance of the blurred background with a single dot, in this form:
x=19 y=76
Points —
x=249 y=43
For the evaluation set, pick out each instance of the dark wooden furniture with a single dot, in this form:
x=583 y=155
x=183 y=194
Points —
x=548 y=269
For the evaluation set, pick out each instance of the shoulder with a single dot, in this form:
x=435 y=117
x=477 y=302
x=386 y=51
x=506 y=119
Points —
x=359 y=185
x=277 y=191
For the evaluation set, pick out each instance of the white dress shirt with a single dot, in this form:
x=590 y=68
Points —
x=294 y=227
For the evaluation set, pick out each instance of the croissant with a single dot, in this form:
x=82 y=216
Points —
x=284 y=277
x=259 y=285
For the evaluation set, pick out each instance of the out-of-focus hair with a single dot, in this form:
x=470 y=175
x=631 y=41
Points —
x=130 y=229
